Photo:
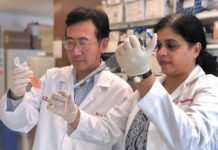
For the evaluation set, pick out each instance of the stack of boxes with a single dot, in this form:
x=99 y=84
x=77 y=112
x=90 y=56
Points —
x=134 y=10
x=128 y=11
x=23 y=40
x=16 y=40
x=114 y=10
x=120 y=11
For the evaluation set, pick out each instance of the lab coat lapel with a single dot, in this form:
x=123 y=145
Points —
x=90 y=97
x=101 y=81
x=66 y=80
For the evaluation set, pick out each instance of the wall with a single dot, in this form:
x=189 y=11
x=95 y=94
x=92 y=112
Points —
x=10 y=21
x=16 y=22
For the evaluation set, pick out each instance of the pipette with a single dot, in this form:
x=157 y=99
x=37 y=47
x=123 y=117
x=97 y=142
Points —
x=33 y=80
x=110 y=63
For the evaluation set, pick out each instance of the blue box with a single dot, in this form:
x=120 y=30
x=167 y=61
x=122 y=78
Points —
x=195 y=9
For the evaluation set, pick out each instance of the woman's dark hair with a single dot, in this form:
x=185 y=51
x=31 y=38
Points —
x=99 y=19
x=191 y=29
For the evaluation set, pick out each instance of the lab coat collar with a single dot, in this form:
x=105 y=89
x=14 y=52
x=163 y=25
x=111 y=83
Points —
x=161 y=79
x=66 y=79
x=196 y=72
x=66 y=74
x=102 y=79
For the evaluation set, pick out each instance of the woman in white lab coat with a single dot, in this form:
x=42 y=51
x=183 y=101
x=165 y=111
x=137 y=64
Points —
x=177 y=112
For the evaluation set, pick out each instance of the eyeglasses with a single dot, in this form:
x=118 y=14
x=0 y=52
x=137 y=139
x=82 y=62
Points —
x=82 y=45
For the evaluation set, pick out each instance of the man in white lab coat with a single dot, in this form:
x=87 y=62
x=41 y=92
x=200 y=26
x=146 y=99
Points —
x=87 y=34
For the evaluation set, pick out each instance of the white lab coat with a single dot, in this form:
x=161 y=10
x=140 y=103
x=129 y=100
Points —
x=108 y=90
x=185 y=120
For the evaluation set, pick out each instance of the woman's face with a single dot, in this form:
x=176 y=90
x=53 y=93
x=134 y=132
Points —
x=174 y=55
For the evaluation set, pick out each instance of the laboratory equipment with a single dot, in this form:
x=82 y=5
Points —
x=67 y=103
x=33 y=80
x=110 y=63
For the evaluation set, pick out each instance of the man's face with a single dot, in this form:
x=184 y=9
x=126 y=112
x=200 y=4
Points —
x=87 y=57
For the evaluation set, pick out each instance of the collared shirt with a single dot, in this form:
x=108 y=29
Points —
x=81 y=92
x=12 y=104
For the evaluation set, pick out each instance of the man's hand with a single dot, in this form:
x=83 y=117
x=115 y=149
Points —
x=62 y=104
x=19 y=80
x=132 y=58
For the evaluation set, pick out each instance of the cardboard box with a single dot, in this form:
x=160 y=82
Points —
x=17 y=40
x=115 y=13
x=135 y=11
x=189 y=6
x=157 y=8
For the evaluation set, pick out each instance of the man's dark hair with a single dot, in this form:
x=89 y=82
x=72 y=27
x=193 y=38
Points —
x=99 y=19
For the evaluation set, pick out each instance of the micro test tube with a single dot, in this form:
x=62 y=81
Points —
x=67 y=103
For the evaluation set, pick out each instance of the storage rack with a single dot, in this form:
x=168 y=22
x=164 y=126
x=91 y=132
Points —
x=205 y=17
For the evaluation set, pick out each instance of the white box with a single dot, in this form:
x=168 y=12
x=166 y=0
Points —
x=115 y=13
x=135 y=11
x=2 y=72
x=157 y=8
x=112 y=2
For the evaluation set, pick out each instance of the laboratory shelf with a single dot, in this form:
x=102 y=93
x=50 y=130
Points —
x=212 y=46
x=150 y=22
x=205 y=17
x=119 y=26
x=208 y=16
